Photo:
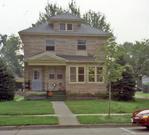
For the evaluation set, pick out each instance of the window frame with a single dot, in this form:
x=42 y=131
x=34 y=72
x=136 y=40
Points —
x=50 y=45
x=95 y=76
x=65 y=27
x=81 y=45
x=77 y=74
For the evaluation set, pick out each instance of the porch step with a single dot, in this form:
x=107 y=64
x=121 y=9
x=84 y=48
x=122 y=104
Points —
x=57 y=96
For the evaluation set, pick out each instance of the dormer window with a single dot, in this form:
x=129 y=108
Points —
x=69 y=26
x=81 y=44
x=62 y=26
x=66 y=27
x=50 y=45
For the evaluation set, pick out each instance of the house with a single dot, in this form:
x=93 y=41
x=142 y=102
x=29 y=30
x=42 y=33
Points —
x=60 y=56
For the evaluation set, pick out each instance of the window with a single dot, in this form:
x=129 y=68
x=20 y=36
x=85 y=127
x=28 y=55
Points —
x=69 y=26
x=59 y=76
x=51 y=76
x=73 y=74
x=81 y=44
x=91 y=75
x=62 y=26
x=77 y=74
x=99 y=74
x=95 y=74
x=80 y=74
x=50 y=45
x=36 y=75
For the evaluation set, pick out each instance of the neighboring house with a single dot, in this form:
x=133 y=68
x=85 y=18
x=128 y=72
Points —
x=60 y=55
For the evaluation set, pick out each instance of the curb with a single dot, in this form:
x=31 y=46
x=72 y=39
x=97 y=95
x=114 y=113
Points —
x=26 y=127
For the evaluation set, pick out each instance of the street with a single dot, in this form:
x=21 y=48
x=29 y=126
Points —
x=79 y=131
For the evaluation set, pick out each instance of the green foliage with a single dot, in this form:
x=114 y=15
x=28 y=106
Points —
x=11 y=53
x=97 y=20
x=113 y=70
x=137 y=56
x=7 y=83
x=124 y=89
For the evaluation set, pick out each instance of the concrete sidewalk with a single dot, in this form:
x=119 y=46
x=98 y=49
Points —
x=65 y=116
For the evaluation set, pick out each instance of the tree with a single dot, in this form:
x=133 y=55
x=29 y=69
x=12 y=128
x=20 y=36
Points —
x=7 y=82
x=11 y=52
x=97 y=20
x=113 y=70
x=137 y=56
x=124 y=89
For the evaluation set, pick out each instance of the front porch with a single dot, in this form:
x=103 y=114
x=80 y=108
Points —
x=46 y=78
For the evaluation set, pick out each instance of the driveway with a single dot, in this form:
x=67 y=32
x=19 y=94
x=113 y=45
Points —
x=78 y=131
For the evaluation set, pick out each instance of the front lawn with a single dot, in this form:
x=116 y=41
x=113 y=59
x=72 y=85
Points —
x=101 y=106
x=18 y=120
x=26 y=107
x=103 y=119
x=142 y=95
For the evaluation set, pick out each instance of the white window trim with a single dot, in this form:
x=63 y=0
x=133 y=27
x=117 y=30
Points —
x=95 y=75
x=77 y=67
x=66 y=28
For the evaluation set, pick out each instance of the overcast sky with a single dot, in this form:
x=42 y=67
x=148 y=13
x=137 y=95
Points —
x=129 y=19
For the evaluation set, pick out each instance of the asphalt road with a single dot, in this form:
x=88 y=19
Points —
x=78 y=131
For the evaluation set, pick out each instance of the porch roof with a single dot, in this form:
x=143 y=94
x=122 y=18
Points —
x=48 y=58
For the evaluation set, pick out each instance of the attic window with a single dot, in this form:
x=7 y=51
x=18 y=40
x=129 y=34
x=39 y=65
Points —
x=69 y=26
x=50 y=45
x=62 y=26
x=66 y=26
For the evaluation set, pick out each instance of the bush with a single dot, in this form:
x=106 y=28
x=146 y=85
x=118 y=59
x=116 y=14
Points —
x=7 y=83
x=124 y=88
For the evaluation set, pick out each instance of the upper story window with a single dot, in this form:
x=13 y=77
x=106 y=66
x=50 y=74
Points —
x=50 y=45
x=69 y=26
x=64 y=26
x=81 y=44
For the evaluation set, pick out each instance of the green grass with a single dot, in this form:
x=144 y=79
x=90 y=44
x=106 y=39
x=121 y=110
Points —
x=101 y=106
x=103 y=119
x=18 y=120
x=141 y=95
x=26 y=107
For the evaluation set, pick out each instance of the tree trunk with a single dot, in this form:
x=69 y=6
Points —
x=139 y=83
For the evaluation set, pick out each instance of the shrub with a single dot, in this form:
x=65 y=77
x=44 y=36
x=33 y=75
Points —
x=7 y=83
x=124 y=88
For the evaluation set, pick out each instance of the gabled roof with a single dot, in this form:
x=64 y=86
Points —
x=46 y=56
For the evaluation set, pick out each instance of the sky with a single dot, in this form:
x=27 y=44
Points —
x=129 y=19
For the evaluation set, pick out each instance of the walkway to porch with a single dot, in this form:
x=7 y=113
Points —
x=66 y=117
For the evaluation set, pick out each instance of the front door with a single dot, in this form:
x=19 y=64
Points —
x=37 y=80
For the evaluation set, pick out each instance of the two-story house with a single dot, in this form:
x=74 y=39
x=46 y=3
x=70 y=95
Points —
x=60 y=56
